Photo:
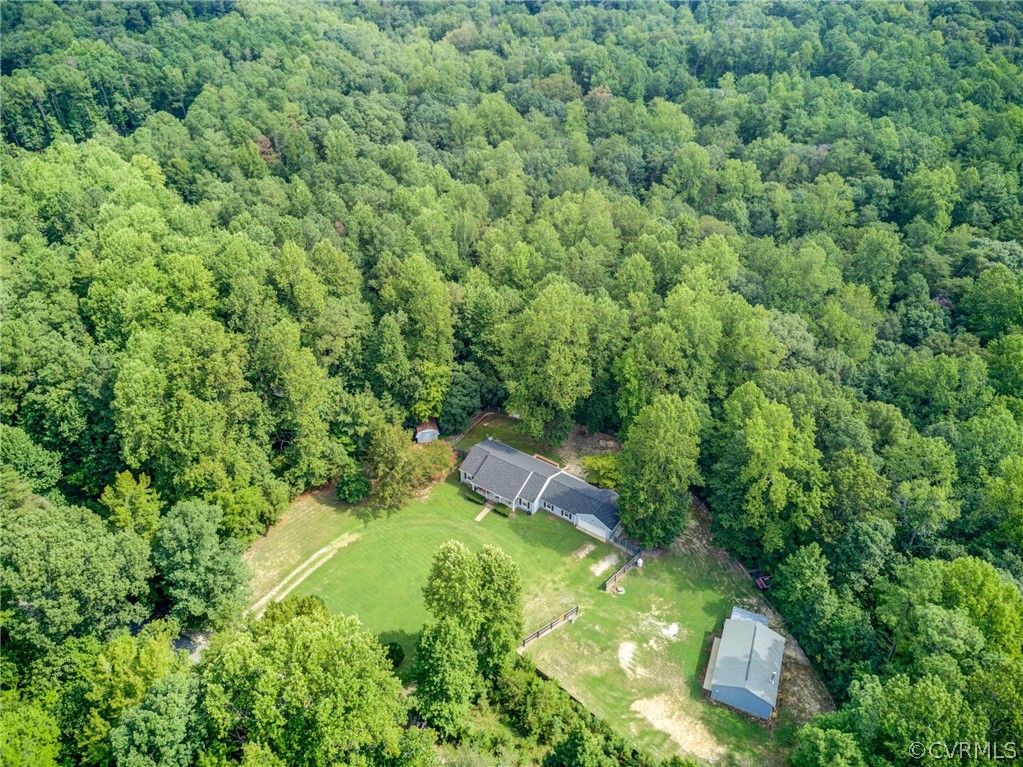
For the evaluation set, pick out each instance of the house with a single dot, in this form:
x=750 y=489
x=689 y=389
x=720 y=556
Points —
x=745 y=664
x=519 y=481
x=427 y=432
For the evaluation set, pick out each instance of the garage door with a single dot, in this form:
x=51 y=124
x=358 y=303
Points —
x=592 y=527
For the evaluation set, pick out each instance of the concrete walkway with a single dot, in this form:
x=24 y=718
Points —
x=486 y=510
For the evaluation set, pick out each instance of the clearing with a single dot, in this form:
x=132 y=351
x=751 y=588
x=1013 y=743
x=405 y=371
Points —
x=635 y=659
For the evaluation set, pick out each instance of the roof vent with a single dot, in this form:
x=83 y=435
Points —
x=773 y=675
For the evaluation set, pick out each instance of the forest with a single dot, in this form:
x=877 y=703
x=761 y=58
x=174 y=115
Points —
x=775 y=247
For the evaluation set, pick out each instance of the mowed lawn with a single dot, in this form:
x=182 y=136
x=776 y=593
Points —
x=379 y=573
x=631 y=658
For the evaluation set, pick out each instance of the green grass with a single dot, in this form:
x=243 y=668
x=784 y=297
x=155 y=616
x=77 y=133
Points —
x=510 y=432
x=637 y=655
x=378 y=576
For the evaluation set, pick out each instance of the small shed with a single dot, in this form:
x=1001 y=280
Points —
x=427 y=432
x=745 y=665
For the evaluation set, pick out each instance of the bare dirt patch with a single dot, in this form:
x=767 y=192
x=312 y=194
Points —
x=697 y=539
x=605 y=564
x=583 y=551
x=802 y=695
x=691 y=735
x=627 y=658
x=581 y=443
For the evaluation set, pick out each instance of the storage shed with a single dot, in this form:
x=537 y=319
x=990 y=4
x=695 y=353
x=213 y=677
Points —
x=745 y=664
x=427 y=431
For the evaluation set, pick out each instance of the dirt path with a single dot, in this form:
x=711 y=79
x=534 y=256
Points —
x=605 y=564
x=300 y=573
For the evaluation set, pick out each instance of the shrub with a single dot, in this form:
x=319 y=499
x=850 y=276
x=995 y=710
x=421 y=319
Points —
x=602 y=470
x=435 y=459
x=352 y=484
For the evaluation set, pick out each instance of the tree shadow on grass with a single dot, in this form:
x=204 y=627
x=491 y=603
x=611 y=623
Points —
x=408 y=643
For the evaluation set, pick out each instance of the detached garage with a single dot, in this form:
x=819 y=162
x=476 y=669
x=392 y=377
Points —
x=745 y=664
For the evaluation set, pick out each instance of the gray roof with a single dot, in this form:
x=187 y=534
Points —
x=578 y=497
x=739 y=614
x=505 y=470
x=749 y=657
x=533 y=487
x=501 y=477
x=513 y=474
x=474 y=460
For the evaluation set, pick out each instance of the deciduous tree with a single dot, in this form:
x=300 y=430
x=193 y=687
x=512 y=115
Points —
x=658 y=465
x=202 y=575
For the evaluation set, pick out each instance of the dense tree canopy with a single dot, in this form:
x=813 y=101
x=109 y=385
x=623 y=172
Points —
x=776 y=248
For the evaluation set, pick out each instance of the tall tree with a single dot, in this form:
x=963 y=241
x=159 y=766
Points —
x=119 y=679
x=164 y=730
x=446 y=673
x=658 y=466
x=202 y=576
x=452 y=588
x=500 y=600
x=28 y=733
x=922 y=471
x=65 y=574
x=313 y=691
x=767 y=484
x=392 y=464
x=818 y=747
x=546 y=362
x=133 y=504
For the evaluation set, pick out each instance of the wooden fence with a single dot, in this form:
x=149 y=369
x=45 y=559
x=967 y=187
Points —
x=625 y=544
x=620 y=573
x=561 y=620
x=455 y=438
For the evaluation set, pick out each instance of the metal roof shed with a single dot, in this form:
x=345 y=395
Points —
x=747 y=667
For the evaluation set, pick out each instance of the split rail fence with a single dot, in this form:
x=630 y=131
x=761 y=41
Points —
x=558 y=622
x=620 y=573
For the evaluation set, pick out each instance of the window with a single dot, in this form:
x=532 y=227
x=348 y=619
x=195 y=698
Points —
x=548 y=506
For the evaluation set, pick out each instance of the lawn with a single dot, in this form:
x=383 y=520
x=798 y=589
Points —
x=379 y=573
x=510 y=432
x=631 y=658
